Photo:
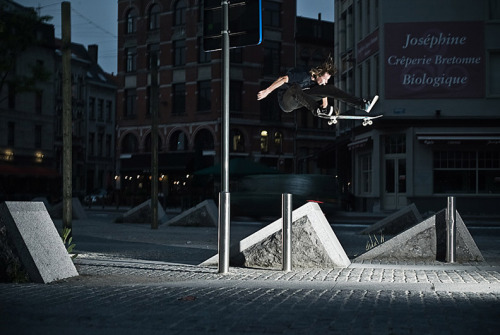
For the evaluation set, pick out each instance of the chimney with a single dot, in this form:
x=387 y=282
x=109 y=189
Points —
x=319 y=16
x=92 y=50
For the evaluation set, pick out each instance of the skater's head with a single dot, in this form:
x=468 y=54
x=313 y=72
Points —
x=321 y=74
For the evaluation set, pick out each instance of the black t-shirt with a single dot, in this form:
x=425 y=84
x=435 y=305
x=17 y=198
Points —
x=299 y=76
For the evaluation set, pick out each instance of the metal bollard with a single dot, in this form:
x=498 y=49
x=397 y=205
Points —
x=224 y=231
x=451 y=229
x=286 y=200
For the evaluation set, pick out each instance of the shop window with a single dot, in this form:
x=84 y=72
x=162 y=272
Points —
x=264 y=141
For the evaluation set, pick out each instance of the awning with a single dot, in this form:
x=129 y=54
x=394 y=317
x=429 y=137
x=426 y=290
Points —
x=357 y=144
x=455 y=138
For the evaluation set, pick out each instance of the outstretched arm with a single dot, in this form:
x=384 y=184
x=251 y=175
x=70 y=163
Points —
x=278 y=82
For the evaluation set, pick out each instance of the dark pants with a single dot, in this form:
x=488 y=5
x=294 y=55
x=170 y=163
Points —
x=294 y=97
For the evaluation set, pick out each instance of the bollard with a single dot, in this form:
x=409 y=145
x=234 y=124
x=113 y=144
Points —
x=286 y=200
x=451 y=229
x=224 y=223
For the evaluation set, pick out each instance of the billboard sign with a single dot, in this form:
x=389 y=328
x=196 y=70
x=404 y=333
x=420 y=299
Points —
x=437 y=60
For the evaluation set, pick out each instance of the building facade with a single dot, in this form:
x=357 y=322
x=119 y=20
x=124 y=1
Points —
x=189 y=101
x=435 y=65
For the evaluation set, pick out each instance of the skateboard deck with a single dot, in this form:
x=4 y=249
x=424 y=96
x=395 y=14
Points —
x=333 y=119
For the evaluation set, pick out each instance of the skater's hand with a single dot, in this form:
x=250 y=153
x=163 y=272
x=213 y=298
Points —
x=262 y=94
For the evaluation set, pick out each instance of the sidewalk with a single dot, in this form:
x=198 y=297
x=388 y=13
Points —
x=134 y=280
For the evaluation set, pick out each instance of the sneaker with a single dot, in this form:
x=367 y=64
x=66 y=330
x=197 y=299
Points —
x=369 y=104
x=327 y=111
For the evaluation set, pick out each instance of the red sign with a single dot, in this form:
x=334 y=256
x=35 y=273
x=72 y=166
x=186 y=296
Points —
x=434 y=60
x=368 y=46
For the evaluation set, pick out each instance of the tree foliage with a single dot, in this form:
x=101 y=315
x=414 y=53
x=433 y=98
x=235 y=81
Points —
x=18 y=32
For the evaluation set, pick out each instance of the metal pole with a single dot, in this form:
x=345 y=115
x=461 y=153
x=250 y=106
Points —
x=224 y=205
x=224 y=199
x=451 y=229
x=67 y=117
x=286 y=200
x=154 y=141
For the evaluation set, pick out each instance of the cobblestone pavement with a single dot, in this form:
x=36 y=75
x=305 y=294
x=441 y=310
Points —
x=115 y=294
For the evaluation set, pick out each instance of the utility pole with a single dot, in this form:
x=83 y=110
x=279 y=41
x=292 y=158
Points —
x=154 y=140
x=67 y=162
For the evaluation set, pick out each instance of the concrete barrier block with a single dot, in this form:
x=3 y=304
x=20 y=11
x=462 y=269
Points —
x=36 y=242
x=314 y=244
x=78 y=213
x=205 y=214
x=426 y=241
x=141 y=214
x=396 y=222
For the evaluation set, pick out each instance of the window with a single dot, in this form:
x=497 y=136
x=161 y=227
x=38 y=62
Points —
x=467 y=172
x=179 y=99
x=178 y=141
x=100 y=109
x=278 y=142
x=180 y=13
x=130 y=144
x=271 y=14
x=271 y=58
x=12 y=96
x=494 y=73
x=100 y=139
x=92 y=108
x=494 y=9
x=365 y=162
x=38 y=137
x=179 y=52
x=131 y=21
x=91 y=146
x=38 y=102
x=131 y=56
x=395 y=144
x=237 y=141
x=236 y=96
x=264 y=141
x=108 y=145
x=11 y=134
x=204 y=95
x=203 y=57
x=153 y=53
x=130 y=103
x=109 y=110
x=154 y=17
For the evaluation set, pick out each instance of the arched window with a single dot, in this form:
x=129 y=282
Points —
x=204 y=140
x=148 y=145
x=154 y=17
x=180 y=13
x=237 y=141
x=130 y=144
x=178 y=141
x=264 y=141
x=278 y=142
x=131 y=21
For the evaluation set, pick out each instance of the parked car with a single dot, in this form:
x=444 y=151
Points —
x=97 y=196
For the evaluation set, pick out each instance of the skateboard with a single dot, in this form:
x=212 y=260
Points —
x=367 y=120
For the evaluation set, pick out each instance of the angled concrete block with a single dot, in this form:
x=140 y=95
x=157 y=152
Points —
x=314 y=244
x=141 y=214
x=396 y=222
x=205 y=214
x=77 y=210
x=36 y=241
x=426 y=241
x=417 y=242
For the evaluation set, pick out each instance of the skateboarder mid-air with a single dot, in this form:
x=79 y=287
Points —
x=300 y=88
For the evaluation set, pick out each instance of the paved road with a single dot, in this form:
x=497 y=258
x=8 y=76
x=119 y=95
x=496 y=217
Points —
x=134 y=280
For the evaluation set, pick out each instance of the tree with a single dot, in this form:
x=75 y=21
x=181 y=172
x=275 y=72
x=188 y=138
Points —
x=18 y=32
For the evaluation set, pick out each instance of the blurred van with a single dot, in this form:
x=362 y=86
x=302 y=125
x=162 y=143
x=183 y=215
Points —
x=259 y=196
